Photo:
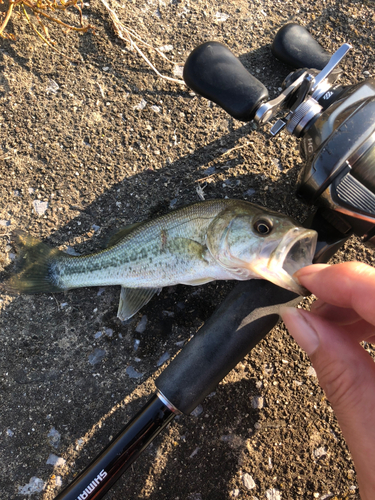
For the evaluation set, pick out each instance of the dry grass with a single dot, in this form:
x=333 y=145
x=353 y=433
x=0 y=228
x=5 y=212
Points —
x=41 y=10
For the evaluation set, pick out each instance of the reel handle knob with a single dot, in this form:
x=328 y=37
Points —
x=295 y=46
x=214 y=72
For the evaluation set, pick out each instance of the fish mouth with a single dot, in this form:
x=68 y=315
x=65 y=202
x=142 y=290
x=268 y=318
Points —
x=295 y=250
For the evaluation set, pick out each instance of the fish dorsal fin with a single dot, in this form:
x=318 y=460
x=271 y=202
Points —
x=119 y=235
x=132 y=299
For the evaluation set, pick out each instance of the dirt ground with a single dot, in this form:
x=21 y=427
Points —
x=96 y=144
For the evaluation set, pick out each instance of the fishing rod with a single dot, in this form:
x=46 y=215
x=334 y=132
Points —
x=336 y=125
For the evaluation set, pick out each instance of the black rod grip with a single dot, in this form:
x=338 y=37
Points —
x=105 y=470
x=214 y=72
x=295 y=46
x=229 y=334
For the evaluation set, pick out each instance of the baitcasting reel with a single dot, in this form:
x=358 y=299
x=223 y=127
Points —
x=336 y=123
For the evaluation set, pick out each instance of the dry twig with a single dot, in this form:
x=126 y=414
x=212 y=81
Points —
x=129 y=35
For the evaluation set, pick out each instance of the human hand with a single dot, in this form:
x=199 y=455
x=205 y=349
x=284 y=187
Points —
x=342 y=317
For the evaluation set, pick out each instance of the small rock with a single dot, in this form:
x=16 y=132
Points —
x=249 y=192
x=70 y=251
x=31 y=190
x=311 y=371
x=52 y=86
x=136 y=344
x=5 y=223
x=178 y=71
x=257 y=425
x=130 y=372
x=35 y=485
x=97 y=356
x=10 y=433
x=54 y=437
x=273 y=494
x=320 y=452
x=106 y=68
x=221 y=17
x=195 y=496
x=98 y=335
x=40 y=207
x=197 y=411
x=173 y=202
x=58 y=481
x=235 y=493
x=194 y=452
x=141 y=327
x=55 y=460
x=166 y=48
x=257 y=402
x=156 y=109
x=95 y=227
x=141 y=105
x=316 y=495
x=108 y=332
x=248 y=481
x=163 y=358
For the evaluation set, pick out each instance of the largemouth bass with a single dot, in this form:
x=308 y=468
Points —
x=207 y=241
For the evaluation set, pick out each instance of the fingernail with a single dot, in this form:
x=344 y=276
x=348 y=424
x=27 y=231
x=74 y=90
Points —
x=297 y=322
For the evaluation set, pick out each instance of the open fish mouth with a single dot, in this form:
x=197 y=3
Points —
x=295 y=250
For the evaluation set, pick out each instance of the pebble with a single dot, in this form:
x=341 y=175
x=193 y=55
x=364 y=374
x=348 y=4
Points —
x=248 y=481
x=320 y=452
x=141 y=105
x=5 y=223
x=249 y=192
x=141 y=327
x=136 y=344
x=194 y=452
x=221 y=17
x=311 y=371
x=55 y=460
x=70 y=251
x=257 y=402
x=52 y=86
x=163 y=358
x=132 y=373
x=197 y=411
x=40 y=207
x=35 y=485
x=54 y=437
x=235 y=493
x=97 y=356
x=156 y=109
x=10 y=433
x=273 y=494
x=166 y=48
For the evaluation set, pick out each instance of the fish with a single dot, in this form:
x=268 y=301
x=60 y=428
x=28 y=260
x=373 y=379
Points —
x=223 y=239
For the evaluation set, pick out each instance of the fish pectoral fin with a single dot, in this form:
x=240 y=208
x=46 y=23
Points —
x=132 y=299
x=119 y=235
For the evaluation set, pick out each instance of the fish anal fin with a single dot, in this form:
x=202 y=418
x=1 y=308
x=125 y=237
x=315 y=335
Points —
x=132 y=299
x=119 y=235
x=198 y=281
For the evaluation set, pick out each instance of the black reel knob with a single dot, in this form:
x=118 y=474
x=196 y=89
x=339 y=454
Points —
x=214 y=72
x=295 y=46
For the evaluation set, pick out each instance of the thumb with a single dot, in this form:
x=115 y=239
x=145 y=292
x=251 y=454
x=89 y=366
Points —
x=346 y=372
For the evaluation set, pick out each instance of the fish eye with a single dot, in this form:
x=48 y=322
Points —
x=263 y=226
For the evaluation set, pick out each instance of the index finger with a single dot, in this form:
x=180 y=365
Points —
x=350 y=285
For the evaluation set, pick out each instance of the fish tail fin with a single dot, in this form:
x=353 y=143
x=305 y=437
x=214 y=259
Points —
x=35 y=266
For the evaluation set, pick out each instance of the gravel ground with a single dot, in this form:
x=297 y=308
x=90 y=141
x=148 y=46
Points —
x=102 y=142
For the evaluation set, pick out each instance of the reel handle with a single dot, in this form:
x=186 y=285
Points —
x=295 y=46
x=215 y=73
